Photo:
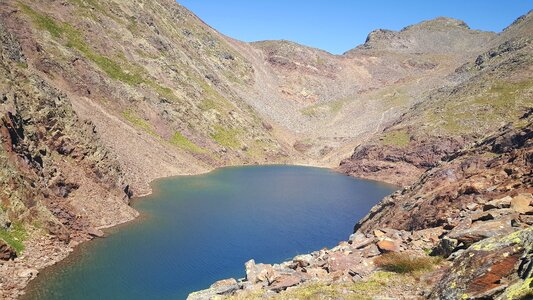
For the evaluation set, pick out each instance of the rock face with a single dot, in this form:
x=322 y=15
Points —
x=495 y=267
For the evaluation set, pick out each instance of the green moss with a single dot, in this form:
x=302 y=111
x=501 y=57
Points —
x=207 y=104
x=181 y=141
x=22 y=65
x=131 y=117
x=521 y=291
x=398 y=138
x=15 y=237
x=226 y=137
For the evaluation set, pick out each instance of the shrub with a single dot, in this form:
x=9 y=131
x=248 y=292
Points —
x=404 y=263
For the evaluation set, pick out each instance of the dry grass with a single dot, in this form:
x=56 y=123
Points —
x=404 y=263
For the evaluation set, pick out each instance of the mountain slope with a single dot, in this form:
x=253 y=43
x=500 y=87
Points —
x=492 y=89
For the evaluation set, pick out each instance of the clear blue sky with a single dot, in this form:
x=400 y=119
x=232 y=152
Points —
x=340 y=25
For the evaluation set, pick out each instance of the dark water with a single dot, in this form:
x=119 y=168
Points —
x=199 y=229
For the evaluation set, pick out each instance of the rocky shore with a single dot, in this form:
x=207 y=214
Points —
x=462 y=231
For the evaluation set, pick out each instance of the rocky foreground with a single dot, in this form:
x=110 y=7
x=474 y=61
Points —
x=462 y=231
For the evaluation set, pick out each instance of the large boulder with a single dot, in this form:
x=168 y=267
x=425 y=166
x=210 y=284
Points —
x=500 y=267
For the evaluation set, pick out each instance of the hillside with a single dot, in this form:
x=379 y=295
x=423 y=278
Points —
x=99 y=98
x=491 y=90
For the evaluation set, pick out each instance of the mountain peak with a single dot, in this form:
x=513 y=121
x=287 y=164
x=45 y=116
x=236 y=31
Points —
x=438 y=23
x=438 y=35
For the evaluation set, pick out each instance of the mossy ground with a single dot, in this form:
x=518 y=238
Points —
x=324 y=108
x=405 y=263
x=226 y=137
x=182 y=142
x=14 y=237
x=378 y=284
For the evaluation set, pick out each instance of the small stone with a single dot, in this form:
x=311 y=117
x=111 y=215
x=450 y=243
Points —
x=225 y=286
x=6 y=251
x=370 y=251
x=95 y=232
x=28 y=273
x=303 y=260
x=379 y=233
x=445 y=247
x=472 y=206
x=504 y=202
x=521 y=203
x=282 y=283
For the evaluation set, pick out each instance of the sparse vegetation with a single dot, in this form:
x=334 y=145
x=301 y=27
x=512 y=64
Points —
x=181 y=141
x=122 y=71
x=226 y=137
x=404 y=263
x=330 y=107
x=14 y=237
x=131 y=117
x=398 y=138
x=365 y=289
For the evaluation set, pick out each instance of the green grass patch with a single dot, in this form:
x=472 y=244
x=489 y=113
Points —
x=404 y=263
x=15 y=237
x=398 y=138
x=184 y=143
x=43 y=22
x=226 y=137
x=138 y=122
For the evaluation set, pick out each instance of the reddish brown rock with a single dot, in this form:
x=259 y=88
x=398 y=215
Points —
x=283 y=282
x=485 y=269
x=387 y=246
x=481 y=230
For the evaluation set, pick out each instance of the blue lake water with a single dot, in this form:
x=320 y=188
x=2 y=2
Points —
x=195 y=230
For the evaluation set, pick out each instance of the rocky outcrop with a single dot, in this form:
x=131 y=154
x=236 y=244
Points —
x=494 y=268
x=399 y=165
x=462 y=190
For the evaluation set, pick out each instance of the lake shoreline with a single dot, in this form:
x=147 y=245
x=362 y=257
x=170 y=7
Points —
x=77 y=250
